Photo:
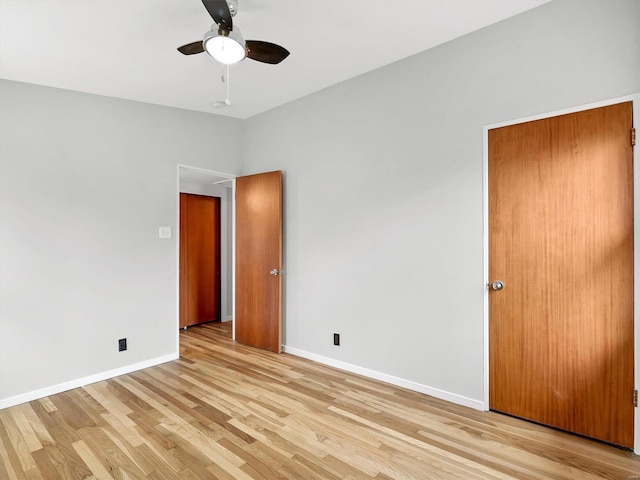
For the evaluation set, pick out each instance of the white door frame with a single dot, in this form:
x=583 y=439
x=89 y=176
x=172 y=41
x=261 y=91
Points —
x=635 y=98
x=224 y=267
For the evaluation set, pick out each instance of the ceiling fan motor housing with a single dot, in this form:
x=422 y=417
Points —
x=233 y=7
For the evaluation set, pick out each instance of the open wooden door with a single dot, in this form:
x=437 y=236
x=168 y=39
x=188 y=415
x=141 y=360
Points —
x=561 y=267
x=258 y=309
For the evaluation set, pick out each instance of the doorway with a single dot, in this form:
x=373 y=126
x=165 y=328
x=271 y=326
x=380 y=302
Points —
x=262 y=193
x=197 y=181
x=569 y=290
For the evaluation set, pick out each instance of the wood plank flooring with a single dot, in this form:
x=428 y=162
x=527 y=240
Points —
x=226 y=411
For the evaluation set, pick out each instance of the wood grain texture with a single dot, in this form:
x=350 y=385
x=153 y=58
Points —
x=184 y=319
x=199 y=259
x=230 y=411
x=258 y=309
x=561 y=240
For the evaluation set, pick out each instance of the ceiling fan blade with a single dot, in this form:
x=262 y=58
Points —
x=191 y=48
x=219 y=11
x=266 y=52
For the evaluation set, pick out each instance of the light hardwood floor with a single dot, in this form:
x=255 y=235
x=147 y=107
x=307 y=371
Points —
x=232 y=412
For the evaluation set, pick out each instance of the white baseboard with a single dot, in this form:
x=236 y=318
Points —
x=400 y=382
x=81 y=382
x=228 y=319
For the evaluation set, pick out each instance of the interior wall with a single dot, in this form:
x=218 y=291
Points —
x=384 y=210
x=226 y=222
x=85 y=183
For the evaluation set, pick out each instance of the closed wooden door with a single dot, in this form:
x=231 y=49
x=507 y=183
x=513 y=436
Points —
x=561 y=241
x=258 y=310
x=199 y=259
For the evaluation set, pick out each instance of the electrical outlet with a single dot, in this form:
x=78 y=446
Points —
x=336 y=339
x=122 y=344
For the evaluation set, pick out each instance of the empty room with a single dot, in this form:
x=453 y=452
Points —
x=341 y=239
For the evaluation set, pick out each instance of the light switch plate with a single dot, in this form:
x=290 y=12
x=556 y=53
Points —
x=164 y=232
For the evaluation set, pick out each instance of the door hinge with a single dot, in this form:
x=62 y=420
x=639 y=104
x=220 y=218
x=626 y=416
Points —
x=633 y=137
x=635 y=398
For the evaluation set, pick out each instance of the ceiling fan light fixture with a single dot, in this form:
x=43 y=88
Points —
x=227 y=47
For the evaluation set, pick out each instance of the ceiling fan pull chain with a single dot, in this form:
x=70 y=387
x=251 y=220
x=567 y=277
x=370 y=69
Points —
x=228 y=100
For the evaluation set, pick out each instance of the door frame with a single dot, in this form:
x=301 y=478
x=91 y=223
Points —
x=635 y=98
x=225 y=314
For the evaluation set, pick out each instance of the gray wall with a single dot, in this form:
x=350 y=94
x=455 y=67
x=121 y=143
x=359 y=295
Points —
x=384 y=186
x=383 y=199
x=85 y=183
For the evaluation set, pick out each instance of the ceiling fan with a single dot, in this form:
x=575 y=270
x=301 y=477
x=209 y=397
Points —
x=224 y=42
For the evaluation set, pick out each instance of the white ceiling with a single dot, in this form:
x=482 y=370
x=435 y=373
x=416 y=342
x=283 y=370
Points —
x=127 y=48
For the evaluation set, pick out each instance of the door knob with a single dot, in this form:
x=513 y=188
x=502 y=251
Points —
x=497 y=285
x=275 y=271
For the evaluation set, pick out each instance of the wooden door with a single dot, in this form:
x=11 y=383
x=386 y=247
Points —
x=561 y=241
x=199 y=259
x=258 y=311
